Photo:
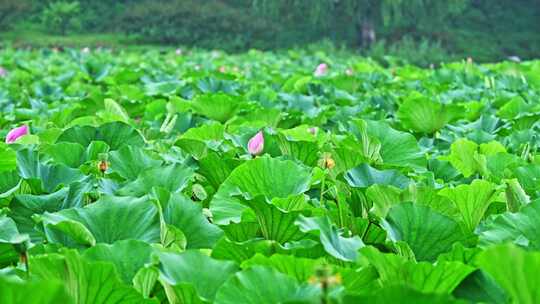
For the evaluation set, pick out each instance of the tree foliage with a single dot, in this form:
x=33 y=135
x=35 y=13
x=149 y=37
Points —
x=59 y=16
x=10 y=10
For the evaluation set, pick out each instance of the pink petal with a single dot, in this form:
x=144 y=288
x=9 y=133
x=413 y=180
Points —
x=321 y=69
x=14 y=134
x=256 y=144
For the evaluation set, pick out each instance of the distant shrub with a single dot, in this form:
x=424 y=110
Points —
x=408 y=50
x=62 y=16
x=10 y=10
x=209 y=24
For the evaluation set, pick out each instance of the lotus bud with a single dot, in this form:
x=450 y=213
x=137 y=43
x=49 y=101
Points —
x=86 y=50
x=178 y=52
x=222 y=69
x=313 y=131
x=14 y=134
x=3 y=72
x=103 y=166
x=349 y=72
x=321 y=70
x=469 y=60
x=327 y=162
x=256 y=144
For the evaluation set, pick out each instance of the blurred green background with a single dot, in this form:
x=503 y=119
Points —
x=418 y=31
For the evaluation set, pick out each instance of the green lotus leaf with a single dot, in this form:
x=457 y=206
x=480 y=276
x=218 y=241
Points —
x=479 y=287
x=145 y=280
x=428 y=233
x=264 y=176
x=226 y=249
x=515 y=195
x=429 y=196
x=15 y=291
x=384 y=197
x=128 y=256
x=113 y=111
x=85 y=281
x=109 y=220
x=364 y=176
x=472 y=201
x=115 y=134
x=173 y=178
x=8 y=158
x=11 y=241
x=420 y=114
x=95 y=150
x=500 y=165
x=24 y=206
x=302 y=133
x=528 y=177
x=401 y=294
x=216 y=168
x=252 y=286
x=243 y=231
x=192 y=277
x=441 y=278
x=304 y=104
x=520 y=228
x=276 y=224
x=130 y=161
x=307 y=152
x=515 y=270
x=334 y=243
x=44 y=177
x=464 y=156
x=187 y=216
x=513 y=108
x=162 y=88
x=197 y=141
x=346 y=159
x=299 y=268
x=357 y=280
x=67 y=153
x=220 y=107
x=397 y=148
x=10 y=182
x=368 y=145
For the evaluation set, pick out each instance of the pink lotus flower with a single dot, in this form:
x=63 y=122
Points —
x=222 y=69
x=14 y=134
x=3 y=72
x=321 y=70
x=256 y=144
x=313 y=130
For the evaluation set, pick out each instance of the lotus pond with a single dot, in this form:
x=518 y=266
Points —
x=294 y=177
